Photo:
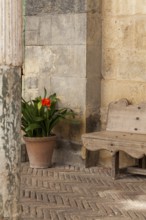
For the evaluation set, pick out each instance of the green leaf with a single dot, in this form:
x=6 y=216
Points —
x=31 y=127
x=39 y=105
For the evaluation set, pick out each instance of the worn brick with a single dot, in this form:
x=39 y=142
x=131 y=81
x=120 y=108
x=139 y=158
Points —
x=95 y=195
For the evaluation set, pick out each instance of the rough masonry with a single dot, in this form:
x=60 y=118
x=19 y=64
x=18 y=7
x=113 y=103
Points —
x=10 y=108
x=63 y=54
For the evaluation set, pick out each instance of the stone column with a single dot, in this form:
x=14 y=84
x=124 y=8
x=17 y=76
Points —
x=10 y=105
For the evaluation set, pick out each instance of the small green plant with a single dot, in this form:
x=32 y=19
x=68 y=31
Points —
x=41 y=115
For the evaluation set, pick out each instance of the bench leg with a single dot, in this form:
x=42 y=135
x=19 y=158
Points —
x=142 y=162
x=115 y=165
x=91 y=158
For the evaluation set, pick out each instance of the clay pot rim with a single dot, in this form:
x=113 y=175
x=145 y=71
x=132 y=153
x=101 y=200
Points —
x=39 y=139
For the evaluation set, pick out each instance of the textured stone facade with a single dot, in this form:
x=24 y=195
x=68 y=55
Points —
x=123 y=51
x=63 y=54
x=10 y=106
x=10 y=96
x=64 y=41
x=123 y=54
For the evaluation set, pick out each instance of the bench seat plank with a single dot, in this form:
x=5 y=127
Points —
x=106 y=135
x=132 y=144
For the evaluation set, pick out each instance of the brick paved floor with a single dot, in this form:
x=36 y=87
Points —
x=72 y=193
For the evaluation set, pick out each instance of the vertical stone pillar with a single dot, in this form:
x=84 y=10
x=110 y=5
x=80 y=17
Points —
x=10 y=105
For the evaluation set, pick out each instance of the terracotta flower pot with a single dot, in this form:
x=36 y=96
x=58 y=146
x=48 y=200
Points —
x=40 y=150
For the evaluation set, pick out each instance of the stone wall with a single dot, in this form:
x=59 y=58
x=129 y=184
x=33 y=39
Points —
x=123 y=53
x=63 y=54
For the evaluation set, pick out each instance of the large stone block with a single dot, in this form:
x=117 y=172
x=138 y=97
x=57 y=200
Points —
x=69 y=29
x=71 y=91
x=54 y=6
x=119 y=7
x=31 y=38
x=109 y=63
x=140 y=33
x=40 y=7
x=69 y=60
x=131 y=65
x=124 y=65
x=31 y=82
x=45 y=32
x=31 y=23
x=31 y=93
x=58 y=60
x=140 y=7
x=112 y=90
x=32 y=57
x=119 y=33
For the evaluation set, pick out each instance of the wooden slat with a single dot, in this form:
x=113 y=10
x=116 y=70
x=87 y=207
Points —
x=115 y=165
x=121 y=136
x=127 y=118
x=134 y=170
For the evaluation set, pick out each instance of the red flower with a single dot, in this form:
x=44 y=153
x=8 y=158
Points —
x=46 y=102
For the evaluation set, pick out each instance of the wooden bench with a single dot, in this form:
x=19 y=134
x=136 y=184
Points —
x=125 y=131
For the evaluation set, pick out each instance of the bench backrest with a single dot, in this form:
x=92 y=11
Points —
x=126 y=118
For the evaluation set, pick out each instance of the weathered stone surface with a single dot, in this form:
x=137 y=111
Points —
x=140 y=33
x=32 y=23
x=92 y=120
x=69 y=60
x=31 y=37
x=70 y=94
x=31 y=82
x=32 y=57
x=93 y=29
x=10 y=33
x=45 y=34
x=54 y=60
x=69 y=29
x=117 y=89
x=119 y=7
x=50 y=6
x=66 y=58
x=93 y=87
x=56 y=29
x=93 y=59
x=123 y=56
x=10 y=107
x=35 y=7
x=68 y=153
x=119 y=32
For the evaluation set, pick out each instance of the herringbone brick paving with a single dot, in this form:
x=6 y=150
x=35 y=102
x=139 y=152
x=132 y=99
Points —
x=73 y=193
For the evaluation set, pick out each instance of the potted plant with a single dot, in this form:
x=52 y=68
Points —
x=39 y=117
